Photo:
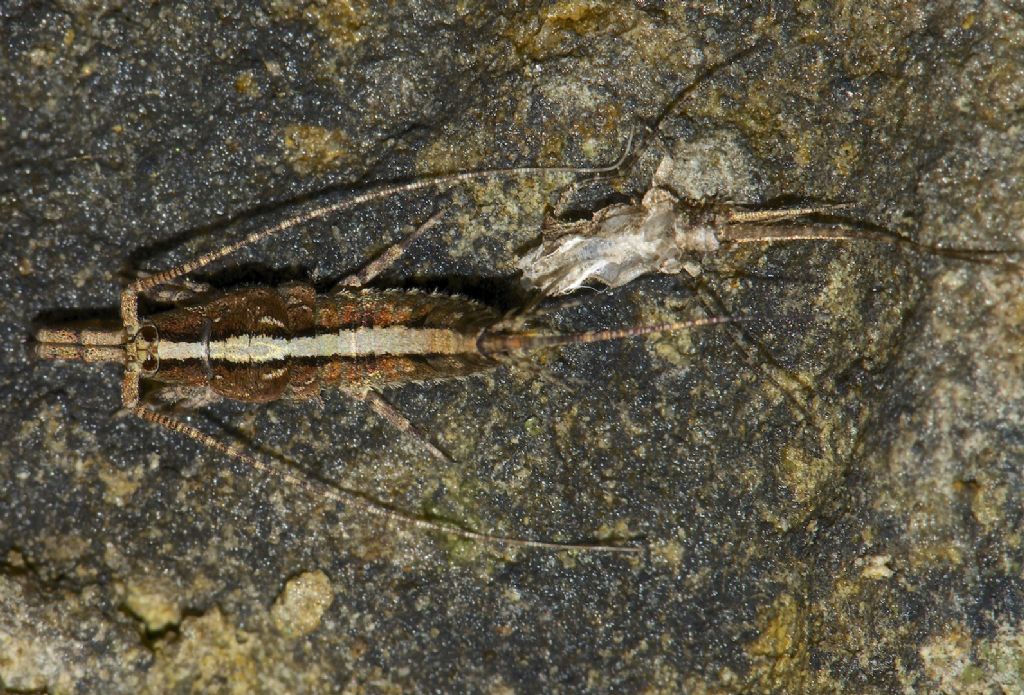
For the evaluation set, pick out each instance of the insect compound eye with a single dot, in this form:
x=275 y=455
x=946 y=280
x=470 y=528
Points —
x=151 y=363
x=146 y=340
x=148 y=333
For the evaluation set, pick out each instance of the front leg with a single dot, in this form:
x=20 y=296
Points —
x=178 y=291
x=172 y=400
x=178 y=399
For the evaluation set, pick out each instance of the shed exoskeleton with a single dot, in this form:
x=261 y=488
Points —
x=261 y=344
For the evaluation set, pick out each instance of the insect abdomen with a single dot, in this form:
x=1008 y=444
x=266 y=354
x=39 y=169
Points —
x=422 y=336
x=258 y=345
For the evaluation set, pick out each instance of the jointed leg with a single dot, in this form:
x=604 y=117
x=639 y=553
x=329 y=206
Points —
x=391 y=254
x=323 y=210
x=400 y=422
x=129 y=297
x=181 y=290
x=741 y=216
x=319 y=489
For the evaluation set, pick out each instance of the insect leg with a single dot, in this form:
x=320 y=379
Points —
x=317 y=489
x=182 y=399
x=129 y=299
x=180 y=291
x=391 y=254
x=400 y=422
x=759 y=227
x=129 y=296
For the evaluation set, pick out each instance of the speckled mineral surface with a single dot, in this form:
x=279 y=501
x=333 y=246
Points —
x=832 y=491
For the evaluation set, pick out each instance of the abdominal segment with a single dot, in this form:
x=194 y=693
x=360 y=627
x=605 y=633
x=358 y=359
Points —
x=258 y=345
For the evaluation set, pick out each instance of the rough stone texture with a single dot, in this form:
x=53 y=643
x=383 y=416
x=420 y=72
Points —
x=834 y=499
x=300 y=607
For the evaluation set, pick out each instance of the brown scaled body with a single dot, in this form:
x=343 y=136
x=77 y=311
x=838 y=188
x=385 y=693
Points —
x=266 y=343
x=415 y=335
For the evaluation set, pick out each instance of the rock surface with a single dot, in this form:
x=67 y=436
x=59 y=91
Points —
x=833 y=496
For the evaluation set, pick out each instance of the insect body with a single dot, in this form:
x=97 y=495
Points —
x=261 y=344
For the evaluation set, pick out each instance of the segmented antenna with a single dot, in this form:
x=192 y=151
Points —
x=520 y=342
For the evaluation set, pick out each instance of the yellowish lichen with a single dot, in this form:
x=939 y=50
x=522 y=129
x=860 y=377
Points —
x=341 y=22
x=153 y=601
x=210 y=655
x=119 y=485
x=845 y=158
x=246 y=85
x=315 y=150
x=779 y=652
x=300 y=607
x=803 y=475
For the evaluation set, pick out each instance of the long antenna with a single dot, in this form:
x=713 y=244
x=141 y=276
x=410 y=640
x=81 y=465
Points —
x=315 y=488
x=518 y=342
x=129 y=300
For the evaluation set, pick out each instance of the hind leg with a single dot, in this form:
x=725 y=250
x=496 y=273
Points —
x=394 y=417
